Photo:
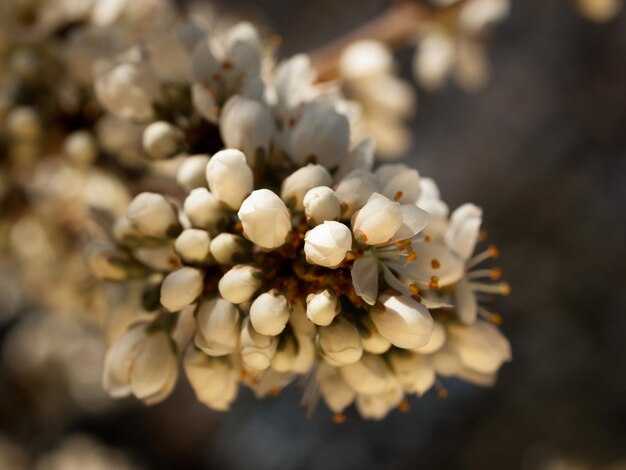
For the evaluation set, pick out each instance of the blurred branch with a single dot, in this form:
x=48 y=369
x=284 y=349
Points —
x=395 y=27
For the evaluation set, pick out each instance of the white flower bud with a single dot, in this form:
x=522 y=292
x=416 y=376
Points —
x=161 y=140
x=180 y=288
x=297 y=184
x=436 y=342
x=286 y=354
x=230 y=178
x=377 y=221
x=204 y=210
x=265 y=218
x=378 y=406
x=336 y=392
x=364 y=59
x=218 y=327
x=257 y=350
x=153 y=215
x=192 y=172
x=403 y=321
x=142 y=363
x=239 y=283
x=269 y=313
x=340 y=342
x=371 y=339
x=193 y=245
x=327 y=244
x=321 y=134
x=481 y=346
x=80 y=148
x=321 y=204
x=228 y=248
x=129 y=91
x=354 y=190
x=214 y=380
x=248 y=125
x=299 y=321
x=369 y=375
x=414 y=371
x=22 y=123
x=306 y=354
x=322 y=308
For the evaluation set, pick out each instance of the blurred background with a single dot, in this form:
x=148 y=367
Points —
x=542 y=149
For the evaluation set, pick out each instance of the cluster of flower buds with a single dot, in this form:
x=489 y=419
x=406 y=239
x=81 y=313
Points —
x=288 y=254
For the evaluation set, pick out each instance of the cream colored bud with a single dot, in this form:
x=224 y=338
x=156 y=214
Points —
x=436 y=341
x=269 y=313
x=296 y=185
x=286 y=354
x=153 y=215
x=336 y=392
x=180 y=288
x=142 y=363
x=369 y=375
x=257 y=350
x=321 y=204
x=230 y=178
x=192 y=172
x=218 y=327
x=214 y=380
x=306 y=354
x=340 y=342
x=80 y=148
x=22 y=123
x=323 y=307
x=377 y=221
x=204 y=210
x=414 y=371
x=193 y=245
x=228 y=248
x=240 y=283
x=161 y=140
x=403 y=321
x=327 y=244
x=371 y=339
x=265 y=218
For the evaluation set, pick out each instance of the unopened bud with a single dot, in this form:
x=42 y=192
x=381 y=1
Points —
x=322 y=308
x=269 y=313
x=296 y=185
x=153 y=215
x=321 y=204
x=239 y=283
x=180 y=288
x=161 y=140
x=193 y=245
x=192 y=172
x=228 y=248
x=265 y=218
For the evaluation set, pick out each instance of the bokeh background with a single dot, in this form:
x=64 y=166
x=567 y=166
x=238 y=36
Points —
x=543 y=150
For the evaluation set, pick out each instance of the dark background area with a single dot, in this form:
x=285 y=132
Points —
x=543 y=150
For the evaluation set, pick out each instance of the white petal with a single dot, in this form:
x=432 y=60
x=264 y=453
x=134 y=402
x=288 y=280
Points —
x=365 y=278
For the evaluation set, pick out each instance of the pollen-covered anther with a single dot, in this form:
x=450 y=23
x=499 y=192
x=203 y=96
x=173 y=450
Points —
x=398 y=196
x=496 y=273
x=434 y=282
x=493 y=251
x=435 y=264
x=404 y=406
x=442 y=392
x=414 y=289
x=339 y=418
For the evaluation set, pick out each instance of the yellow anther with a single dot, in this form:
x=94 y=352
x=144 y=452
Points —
x=413 y=288
x=398 y=196
x=495 y=274
x=411 y=256
x=493 y=251
x=434 y=282
x=404 y=406
x=435 y=264
x=339 y=418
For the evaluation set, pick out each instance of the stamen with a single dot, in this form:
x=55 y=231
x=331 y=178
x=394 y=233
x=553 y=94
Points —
x=435 y=264
x=502 y=288
x=414 y=289
x=227 y=65
x=493 y=274
x=275 y=392
x=411 y=256
x=491 y=317
x=398 y=196
x=442 y=392
x=434 y=282
x=339 y=418
x=491 y=252
x=417 y=298
x=403 y=243
x=404 y=406
x=426 y=239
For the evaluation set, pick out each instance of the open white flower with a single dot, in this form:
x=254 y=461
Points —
x=265 y=218
x=327 y=244
x=214 y=380
x=142 y=363
x=230 y=178
x=218 y=327
x=404 y=322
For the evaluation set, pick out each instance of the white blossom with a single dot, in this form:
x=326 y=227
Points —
x=340 y=342
x=321 y=204
x=327 y=244
x=265 y=218
x=269 y=313
x=296 y=185
x=230 y=178
x=218 y=327
x=180 y=288
x=403 y=321
x=213 y=379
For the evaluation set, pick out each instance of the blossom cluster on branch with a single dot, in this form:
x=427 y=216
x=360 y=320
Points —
x=283 y=252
